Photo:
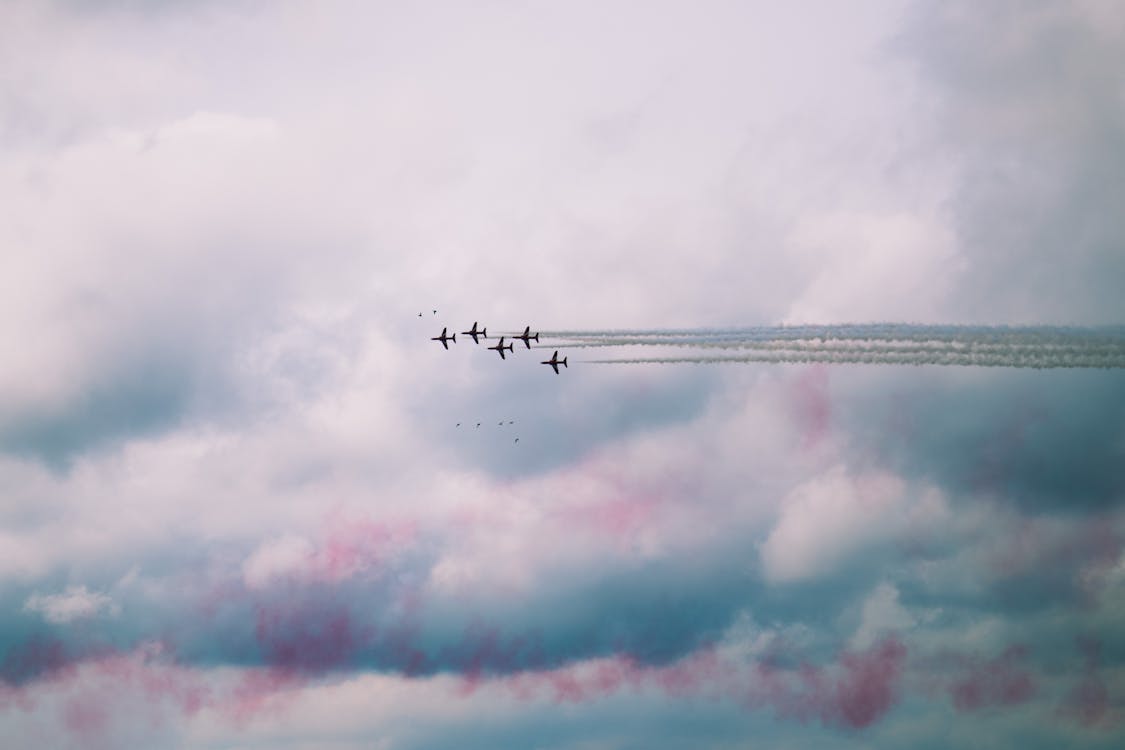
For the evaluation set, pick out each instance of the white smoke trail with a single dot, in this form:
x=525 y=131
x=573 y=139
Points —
x=875 y=343
x=900 y=346
x=809 y=357
x=876 y=331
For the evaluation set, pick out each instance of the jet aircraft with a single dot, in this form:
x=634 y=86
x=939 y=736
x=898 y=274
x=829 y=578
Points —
x=554 y=362
x=474 y=332
x=445 y=339
x=527 y=335
x=500 y=348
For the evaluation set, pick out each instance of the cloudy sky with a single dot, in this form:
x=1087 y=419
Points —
x=243 y=499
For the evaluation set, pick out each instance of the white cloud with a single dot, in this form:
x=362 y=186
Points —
x=277 y=558
x=866 y=266
x=881 y=613
x=828 y=519
x=75 y=603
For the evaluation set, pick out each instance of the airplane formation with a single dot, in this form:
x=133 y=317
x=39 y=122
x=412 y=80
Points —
x=526 y=337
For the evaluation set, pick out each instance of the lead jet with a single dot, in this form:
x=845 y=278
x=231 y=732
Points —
x=527 y=335
x=474 y=332
x=500 y=348
x=554 y=362
x=445 y=339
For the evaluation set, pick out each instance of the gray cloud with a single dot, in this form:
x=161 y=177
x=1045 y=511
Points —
x=1029 y=107
x=242 y=211
x=1044 y=441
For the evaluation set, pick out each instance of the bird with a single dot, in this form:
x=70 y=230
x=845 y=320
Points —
x=478 y=424
x=517 y=440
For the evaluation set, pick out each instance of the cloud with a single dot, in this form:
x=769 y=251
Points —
x=136 y=331
x=827 y=519
x=994 y=682
x=911 y=260
x=1026 y=104
x=276 y=558
x=75 y=603
x=227 y=218
x=1048 y=441
x=881 y=614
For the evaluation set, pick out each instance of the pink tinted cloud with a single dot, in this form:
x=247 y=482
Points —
x=986 y=683
x=351 y=546
x=141 y=684
x=1088 y=703
x=860 y=688
x=347 y=548
x=618 y=518
x=307 y=637
x=37 y=658
x=1087 y=552
x=867 y=689
x=157 y=679
x=854 y=692
x=484 y=650
x=260 y=691
x=94 y=689
x=810 y=405
x=86 y=715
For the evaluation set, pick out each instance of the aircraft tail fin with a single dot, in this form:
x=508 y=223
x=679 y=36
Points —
x=564 y=363
x=484 y=332
x=454 y=337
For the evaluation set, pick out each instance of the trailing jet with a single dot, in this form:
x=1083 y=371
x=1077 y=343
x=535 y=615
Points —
x=527 y=335
x=500 y=348
x=554 y=362
x=474 y=332
x=445 y=339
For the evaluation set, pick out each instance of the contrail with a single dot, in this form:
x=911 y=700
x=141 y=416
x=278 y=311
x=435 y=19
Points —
x=884 y=358
x=844 y=344
x=870 y=331
x=878 y=343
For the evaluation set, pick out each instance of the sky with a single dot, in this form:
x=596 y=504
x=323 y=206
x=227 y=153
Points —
x=244 y=500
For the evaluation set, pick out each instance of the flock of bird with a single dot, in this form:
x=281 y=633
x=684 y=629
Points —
x=498 y=424
x=526 y=337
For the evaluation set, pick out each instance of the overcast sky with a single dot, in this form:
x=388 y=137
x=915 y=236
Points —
x=244 y=502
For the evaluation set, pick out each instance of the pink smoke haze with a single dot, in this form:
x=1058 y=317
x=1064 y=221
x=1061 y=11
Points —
x=306 y=637
x=86 y=716
x=855 y=692
x=259 y=692
x=352 y=546
x=994 y=462
x=1088 y=552
x=993 y=682
x=156 y=679
x=34 y=659
x=811 y=405
x=484 y=647
x=867 y=690
x=1088 y=702
x=621 y=518
x=141 y=684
